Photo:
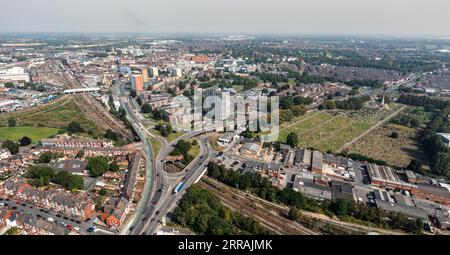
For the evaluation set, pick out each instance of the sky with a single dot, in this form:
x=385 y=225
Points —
x=328 y=17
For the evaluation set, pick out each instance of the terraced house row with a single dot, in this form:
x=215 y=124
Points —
x=76 y=205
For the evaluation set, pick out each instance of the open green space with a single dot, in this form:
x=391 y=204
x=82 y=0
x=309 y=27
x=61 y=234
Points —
x=57 y=114
x=328 y=131
x=194 y=151
x=35 y=133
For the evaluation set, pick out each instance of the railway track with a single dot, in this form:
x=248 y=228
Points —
x=90 y=105
x=268 y=218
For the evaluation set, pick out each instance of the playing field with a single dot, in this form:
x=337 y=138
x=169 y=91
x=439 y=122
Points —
x=328 y=131
x=57 y=114
x=35 y=133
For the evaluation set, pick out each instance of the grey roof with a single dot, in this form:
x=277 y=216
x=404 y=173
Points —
x=434 y=190
x=342 y=191
x=410 y=174
x=285 y=147
x=228 y=136
x=70 y=165
x=317 y=160
x=408 y=210
x=403 y=200
x=308 y=188
x=382 y=173
x=132 y=175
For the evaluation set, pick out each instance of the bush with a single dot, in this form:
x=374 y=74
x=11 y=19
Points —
x=25 y=141
x=12 y=146
x=394 y=135
x=75 y=127
x=11 y=122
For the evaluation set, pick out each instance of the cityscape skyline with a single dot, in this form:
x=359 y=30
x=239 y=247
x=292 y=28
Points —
x=348 y=17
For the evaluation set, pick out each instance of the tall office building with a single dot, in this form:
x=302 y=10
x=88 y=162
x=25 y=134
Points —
x=137 y=82
x=145 y=74
x=154 y=72
x=177 y=72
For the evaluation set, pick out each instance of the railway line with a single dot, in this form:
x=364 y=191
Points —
x=280 y=209
x=89 y=104
x=271 y=219
x=92 y=107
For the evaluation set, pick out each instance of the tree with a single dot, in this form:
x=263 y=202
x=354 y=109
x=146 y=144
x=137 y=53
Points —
x=292 y=139
x=394 y=135
x=112 y=135
x=139 y=101
x=133 y=93
x=9 y=85
x=286 y=115
x=298 y=110
x=415 y=166
x=68 y=180
x=187 y=93
x=11 y=122
x=113 y=166
x=97 y=166
x=45 y=157
x=286 y=103
x=294 y=214
x=75 y=127
x=12 y=146
x=146 y=108
x=102 y=192
x=24 y=141
x=41 y=175
x=327 y=105
x=80 y=154
x=303 y=100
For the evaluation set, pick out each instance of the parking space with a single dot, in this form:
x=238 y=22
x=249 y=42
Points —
x=43 y=213
x=230 y=163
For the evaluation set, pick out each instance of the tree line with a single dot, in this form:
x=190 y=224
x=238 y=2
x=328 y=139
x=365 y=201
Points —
x=42 y=175
x=432 y=144
x=201 y=211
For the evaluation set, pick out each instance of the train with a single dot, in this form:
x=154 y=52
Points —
x=178 y=188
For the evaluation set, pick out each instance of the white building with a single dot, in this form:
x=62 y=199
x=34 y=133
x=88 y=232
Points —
x=154 y=71
x=14 y=74
x=177 y=72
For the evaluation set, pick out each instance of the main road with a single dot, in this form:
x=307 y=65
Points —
x=168 y=200
x=157 y=198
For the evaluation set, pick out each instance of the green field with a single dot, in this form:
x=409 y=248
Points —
x=57 y=114
x=35 y=133
x=156 y=145
x=327 y=131
x=195 y=150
